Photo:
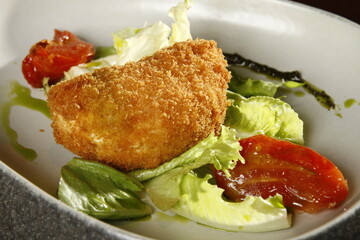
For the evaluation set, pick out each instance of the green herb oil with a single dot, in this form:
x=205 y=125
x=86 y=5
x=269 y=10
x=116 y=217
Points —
x=350 y=102
x=20 y=96
x=294 y=76
x=299 y=93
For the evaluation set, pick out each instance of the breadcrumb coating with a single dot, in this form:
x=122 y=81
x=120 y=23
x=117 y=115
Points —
x=142 y=114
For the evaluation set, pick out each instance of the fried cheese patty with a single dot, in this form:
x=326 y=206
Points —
x=142 y=114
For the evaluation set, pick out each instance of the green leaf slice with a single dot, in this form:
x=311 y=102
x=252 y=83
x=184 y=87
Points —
x=101 y=191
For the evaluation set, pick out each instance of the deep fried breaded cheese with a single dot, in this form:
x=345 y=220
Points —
x=143 y=113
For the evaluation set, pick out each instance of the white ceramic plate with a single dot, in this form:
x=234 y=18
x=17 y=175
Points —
x=324 y=47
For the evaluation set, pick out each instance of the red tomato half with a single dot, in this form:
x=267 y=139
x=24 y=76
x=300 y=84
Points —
x=51 y=58
x=306 y=180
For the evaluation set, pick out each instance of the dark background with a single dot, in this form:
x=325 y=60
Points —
x=349 y=9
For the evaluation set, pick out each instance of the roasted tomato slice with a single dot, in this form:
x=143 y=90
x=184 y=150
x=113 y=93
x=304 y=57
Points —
x=306 y=180
x=51 y=58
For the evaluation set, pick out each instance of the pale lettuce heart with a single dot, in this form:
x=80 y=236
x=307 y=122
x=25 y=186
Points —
x=181 y=26
x=132 y=44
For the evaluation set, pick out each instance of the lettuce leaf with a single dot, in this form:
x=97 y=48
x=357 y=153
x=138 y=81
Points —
x=264 y=115
x=203 y=203
x=248 y=87
x=101 y=191
x=132 y=44
x=181 y=26
x=223 y=152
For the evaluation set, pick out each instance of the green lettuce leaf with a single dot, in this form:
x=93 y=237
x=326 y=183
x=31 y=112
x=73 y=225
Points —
x=203 y=203
x=248 y=87
x=234 y=98
x=221 y=151
x=188 y=157
x=101 y=191
x=264 y=115
x=224 y=153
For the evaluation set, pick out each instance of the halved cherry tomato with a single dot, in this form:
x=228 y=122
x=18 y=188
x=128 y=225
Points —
x=306 y=180
x=51 y=58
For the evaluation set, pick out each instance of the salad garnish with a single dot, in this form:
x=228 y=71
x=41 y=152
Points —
x=101 y=191
x=214 y=181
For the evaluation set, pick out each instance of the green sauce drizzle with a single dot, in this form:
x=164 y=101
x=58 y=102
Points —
x=299 y=93
x=20 y=95
x=349 y=102
x=321 y=96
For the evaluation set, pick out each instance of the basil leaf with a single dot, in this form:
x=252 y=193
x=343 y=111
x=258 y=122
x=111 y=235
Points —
x=101 y=191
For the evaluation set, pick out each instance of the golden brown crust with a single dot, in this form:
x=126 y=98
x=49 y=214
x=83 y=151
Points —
x=143 y=113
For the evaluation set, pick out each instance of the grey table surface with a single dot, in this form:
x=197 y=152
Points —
x=23 y=215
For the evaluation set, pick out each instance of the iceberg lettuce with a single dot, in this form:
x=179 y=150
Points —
x=132 y=44
x=181 y=26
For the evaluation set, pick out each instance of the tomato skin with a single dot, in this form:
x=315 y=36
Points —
x=306 y=180
x=51 y=58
